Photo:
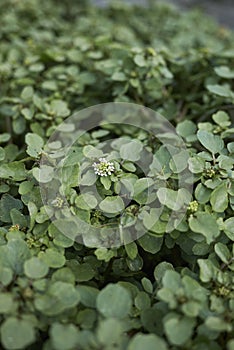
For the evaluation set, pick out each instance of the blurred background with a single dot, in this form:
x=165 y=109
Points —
x=222 y=10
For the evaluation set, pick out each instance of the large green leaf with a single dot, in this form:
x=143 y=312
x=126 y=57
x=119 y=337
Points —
x=213 y=143
x=114 y=301
x=17 y=334
x=205 y=224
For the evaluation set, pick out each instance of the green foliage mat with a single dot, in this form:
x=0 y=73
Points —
x=166 y=290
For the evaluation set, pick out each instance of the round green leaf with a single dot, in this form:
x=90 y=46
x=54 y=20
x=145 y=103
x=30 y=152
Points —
x=147 y=342
x=114 y=301
x=178 y=328
x=52 y=258
x=213 y=143
x=35 y=144
x=219 y=198
x=112 y=205
x=205 y=224
x=6 y=302
x=64 y=337
x=131 y=151
x=17 y=334
x=35 y=268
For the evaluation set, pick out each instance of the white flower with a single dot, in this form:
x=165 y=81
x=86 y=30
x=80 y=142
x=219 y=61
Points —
x=103 y=168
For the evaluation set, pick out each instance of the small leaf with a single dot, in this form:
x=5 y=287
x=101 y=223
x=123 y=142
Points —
x=92 y=152
x=131 y=250
x=35 y=144
x=223 y=253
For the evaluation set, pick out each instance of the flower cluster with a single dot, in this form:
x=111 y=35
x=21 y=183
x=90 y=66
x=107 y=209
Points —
x=103 y=168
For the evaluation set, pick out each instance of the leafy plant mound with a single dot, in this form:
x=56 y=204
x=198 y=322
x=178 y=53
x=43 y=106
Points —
x=165 y=290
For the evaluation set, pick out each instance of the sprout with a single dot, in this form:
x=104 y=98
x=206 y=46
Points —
x=103 y=168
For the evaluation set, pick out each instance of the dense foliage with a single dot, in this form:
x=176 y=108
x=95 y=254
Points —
x=166 y=290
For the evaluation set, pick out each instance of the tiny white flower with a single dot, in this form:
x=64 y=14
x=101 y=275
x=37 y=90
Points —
x=104 y=167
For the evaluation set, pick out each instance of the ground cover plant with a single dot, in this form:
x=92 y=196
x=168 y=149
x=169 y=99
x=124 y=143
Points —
x=167 y=289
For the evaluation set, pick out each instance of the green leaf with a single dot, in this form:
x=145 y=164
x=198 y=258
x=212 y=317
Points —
x=63 y=336
x=110 y=332
x=2 y=153
x=59 y=297
x=213 y=143
x=147 y=285
x=205 y=224
x=114 y=301
x=196 y=164
x=52 y=258
x=207 y=270
x=84 y=272
x=142 y=193
x=119 y=76
x=224 y=72
x=6 y=275
x=191 y=308
x=7 y=203
x=88 y=295
x=186 y=128
x=92 y=152
x=147 y=342
x=106 y=181
x=229 y=228
x=150 y=243
x=86 y=201
x=140 y=60
x=59 y=108
x=131 y=151
x=14 y=254
x=171 y=280
x=220 y=90
x=17 y=333
x=131 y=250
x=178 y=328
x=35 y=268
x=219 y=198
x=112 y=205
x=43 y=174
x=27 y=93
x=88 y=179
x=35 y=144
x=173 y=199
x=18 y=218
x=202 y=193
x=6 y=303
x=179 y=161
x=142 y=301
x=221 y=118
x=217 y=324
x=104 y=254
x=13 y=171
x=223 y=253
